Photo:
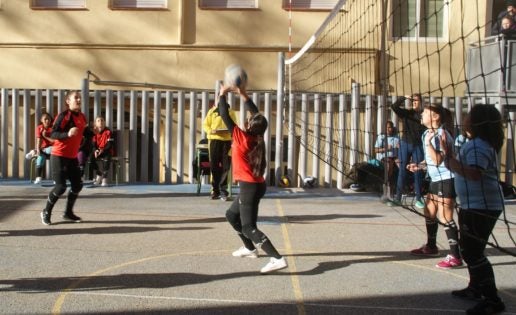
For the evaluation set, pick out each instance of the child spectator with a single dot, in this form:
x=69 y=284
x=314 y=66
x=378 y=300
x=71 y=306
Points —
x=103 y=144
x=43 y=145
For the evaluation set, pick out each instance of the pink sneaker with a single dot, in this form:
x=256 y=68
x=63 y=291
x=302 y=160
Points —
x=425 y=251
x=449 y=262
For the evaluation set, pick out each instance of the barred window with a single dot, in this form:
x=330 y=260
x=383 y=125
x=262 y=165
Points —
x=228 y=4
x=418 y=18
x=138 y=4
x=58 y=4
x=310 y=4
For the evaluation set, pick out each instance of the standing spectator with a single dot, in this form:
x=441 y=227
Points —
x=440 y=197
x=67 y=132
x=103 y=144
x=43 y=145
x=509 y=12
x=249 y=158
x=481 y=203
x=219 y=139
x=411 y=149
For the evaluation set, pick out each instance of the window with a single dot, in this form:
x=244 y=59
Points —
x=419 y=18
x=310 y=4
x=228 y=4
x=138 y=4
x=58 y=4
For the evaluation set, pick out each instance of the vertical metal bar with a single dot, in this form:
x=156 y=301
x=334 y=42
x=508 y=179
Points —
x=168 y=136
x=329 y=142
x=180 y=135
x=368 y=134
x=109 y=109
x=193 y=136
x=27 y=135
x=120 y=133
x=38 y=99
x=144 y=133
x=341 y=141
x=355 y=116
x=317 y=136
x=133 y=137
x=205 y=99
x=278 y=159
x=267 y=135
x=97 y=100
x=60 y=100
x=49 y=103
x=458 y=113
x=85 y=98
x=509 y=147
x=291 y=155
x=5 y=132
x=156 y=144
x=303 y=153
x=15 y=163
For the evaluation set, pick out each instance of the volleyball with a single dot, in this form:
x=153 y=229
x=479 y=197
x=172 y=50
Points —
x=235 y=75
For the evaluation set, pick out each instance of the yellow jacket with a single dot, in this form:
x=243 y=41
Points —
x=214 y=126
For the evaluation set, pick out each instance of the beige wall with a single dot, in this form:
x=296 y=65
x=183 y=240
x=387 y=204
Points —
x=181 y=46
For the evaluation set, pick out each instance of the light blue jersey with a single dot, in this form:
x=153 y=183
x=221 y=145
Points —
x=485 y=193
x=392 y=141
x=439 y=172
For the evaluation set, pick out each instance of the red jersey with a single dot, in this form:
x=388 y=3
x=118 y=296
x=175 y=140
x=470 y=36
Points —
x=65 y=146
x=104 y=141
x=239 y=149
x=43 y=142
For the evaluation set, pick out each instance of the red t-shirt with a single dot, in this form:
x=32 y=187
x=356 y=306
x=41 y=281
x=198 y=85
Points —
x=44 y=143
x=68 y=147
x=101 y=139
x=239 y=148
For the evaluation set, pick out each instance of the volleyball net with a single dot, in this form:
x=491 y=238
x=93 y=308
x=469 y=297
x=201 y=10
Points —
x=340 y=85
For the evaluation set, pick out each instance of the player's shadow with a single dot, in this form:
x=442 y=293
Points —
x=119 y=229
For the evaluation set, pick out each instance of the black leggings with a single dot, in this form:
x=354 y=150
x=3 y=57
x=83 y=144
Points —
x=64 y=169
x=243 y=215
x=475 y=228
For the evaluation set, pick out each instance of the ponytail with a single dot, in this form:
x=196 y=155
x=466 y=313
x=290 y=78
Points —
x=257 y=158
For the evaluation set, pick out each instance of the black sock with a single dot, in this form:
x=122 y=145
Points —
x=431 y=232
x=270 y=249
x=453 y=236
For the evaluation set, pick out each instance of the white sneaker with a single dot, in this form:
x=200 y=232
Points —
x=104 y=182
x=30 y=155
x=37 y=180
x=244 y=252
x=274 y=264
x=98 y=180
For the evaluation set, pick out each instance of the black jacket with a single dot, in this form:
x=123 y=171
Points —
x=412 y=127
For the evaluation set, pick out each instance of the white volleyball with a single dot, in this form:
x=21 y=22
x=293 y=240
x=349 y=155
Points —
x=235 y=75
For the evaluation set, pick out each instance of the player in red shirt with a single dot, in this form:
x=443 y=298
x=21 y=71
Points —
x=103 y=143
x=67 y=132
x=249 y=162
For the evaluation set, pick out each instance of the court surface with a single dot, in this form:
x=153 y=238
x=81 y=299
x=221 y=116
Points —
x=157 y=249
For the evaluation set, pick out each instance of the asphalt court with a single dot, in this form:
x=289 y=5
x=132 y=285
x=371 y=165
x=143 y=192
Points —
x=157 y=249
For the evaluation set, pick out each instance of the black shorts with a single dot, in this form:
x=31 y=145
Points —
x=444 y=188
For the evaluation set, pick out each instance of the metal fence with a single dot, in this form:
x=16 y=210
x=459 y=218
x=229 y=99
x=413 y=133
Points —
x=157 y=131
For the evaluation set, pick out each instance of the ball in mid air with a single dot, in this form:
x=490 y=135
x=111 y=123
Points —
x=235 y=75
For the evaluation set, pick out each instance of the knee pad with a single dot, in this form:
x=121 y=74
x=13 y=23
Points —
x=255 y=235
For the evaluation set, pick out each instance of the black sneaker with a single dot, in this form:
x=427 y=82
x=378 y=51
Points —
x=214 y=195
x=71 y=217
x=468 y=293
x=45 y=218
x=486 y=307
